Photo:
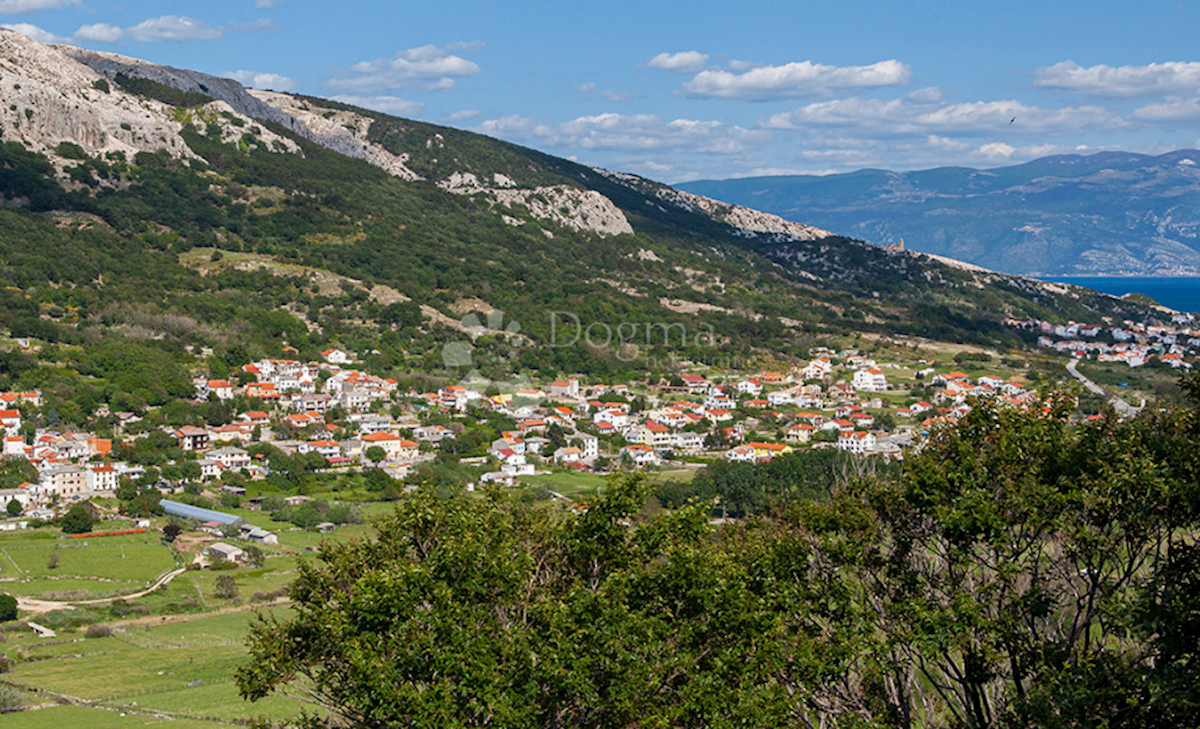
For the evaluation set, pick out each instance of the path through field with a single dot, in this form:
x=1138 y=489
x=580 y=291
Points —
x=35 y=605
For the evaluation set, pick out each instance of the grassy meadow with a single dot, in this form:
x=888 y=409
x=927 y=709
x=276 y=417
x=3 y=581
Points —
x=171 y=653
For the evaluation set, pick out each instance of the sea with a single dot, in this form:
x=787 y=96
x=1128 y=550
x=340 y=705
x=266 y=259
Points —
x=1179 y=293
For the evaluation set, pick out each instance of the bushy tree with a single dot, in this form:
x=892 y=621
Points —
x=226 y=587
x=77 y=520
x=172 y=530
x=8 y=608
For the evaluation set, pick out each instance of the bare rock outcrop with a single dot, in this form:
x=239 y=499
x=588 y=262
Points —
x=562 y=205
x=342 y=131
x=231 y=92
x=49 y=98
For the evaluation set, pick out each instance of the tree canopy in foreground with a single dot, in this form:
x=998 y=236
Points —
x=1018 y=571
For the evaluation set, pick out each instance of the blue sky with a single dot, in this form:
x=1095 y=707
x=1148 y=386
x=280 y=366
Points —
x=685 y=90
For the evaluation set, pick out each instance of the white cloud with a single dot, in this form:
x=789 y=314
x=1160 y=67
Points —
x=997 y=150
x=260 y=4
x=460 y=116
x=794 y=80
x=1121 y=81
x=166 y=28
x=36 y=33
x=466 y=46
x=20 y=7
x=587 y=88
x=924 y=153
x=435 y=68
x=905 y=116
x=1174 y=110
x=170 y=28
x=685 y=62
x=775 y=172
x=101 y=32
x=633 y=132
x=393 y=105
x=617 y=98
x=1004 y=153
x=951 y=145
x=927 y=95
x=512 y=126
x=262 y=80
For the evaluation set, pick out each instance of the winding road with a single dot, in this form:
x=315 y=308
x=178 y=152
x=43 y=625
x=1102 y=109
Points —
x=1124 y=409
x=35 y=605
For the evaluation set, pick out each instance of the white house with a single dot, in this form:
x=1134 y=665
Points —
x=869 y=380
x=817 y=369
x=749 y=387
x=102 y=478
x=740 y=453
x=336 y=356
x=781 y=397
x=689 y=442
x=641 y=455
x=589 y=444
x=856 y=442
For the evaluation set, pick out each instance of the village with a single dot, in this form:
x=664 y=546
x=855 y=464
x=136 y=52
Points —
x=1175 y=344
x=354 y=422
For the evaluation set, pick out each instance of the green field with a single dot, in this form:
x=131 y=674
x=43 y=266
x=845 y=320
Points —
x=581 y=486
x=86 y=568
x=57 y=717
x=173 y=652
x=180 y=669
x=293 y=539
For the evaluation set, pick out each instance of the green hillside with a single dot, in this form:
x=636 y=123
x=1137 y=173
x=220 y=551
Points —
x=220 y=253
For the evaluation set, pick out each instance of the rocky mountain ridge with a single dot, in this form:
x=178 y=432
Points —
x=73 y=96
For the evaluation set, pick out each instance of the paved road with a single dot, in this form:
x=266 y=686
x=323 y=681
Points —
x=34 y=605
x=1124 y=409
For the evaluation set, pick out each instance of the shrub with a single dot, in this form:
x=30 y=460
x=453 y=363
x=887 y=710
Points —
x=98 y=630
x=77 y=520
x=8 y=608
x=226 y=587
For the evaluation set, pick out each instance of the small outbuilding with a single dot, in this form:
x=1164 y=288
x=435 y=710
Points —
x=222 y=552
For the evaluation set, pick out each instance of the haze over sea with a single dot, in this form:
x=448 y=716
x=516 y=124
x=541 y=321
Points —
x=1180 y=293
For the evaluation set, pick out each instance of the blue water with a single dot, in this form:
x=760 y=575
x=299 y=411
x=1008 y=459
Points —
x=1182 y=294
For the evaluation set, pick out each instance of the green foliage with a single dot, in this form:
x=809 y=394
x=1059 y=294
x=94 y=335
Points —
x=70 y=150
x=740 y=488
x=1018 y=571
x=8 y=607
x=77 y=520
x=572 y=639
x=28 y=175
x=143 y=371
x=13 y=507
x=16 y=471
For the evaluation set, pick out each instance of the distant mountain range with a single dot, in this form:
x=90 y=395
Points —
x=1107 y=214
